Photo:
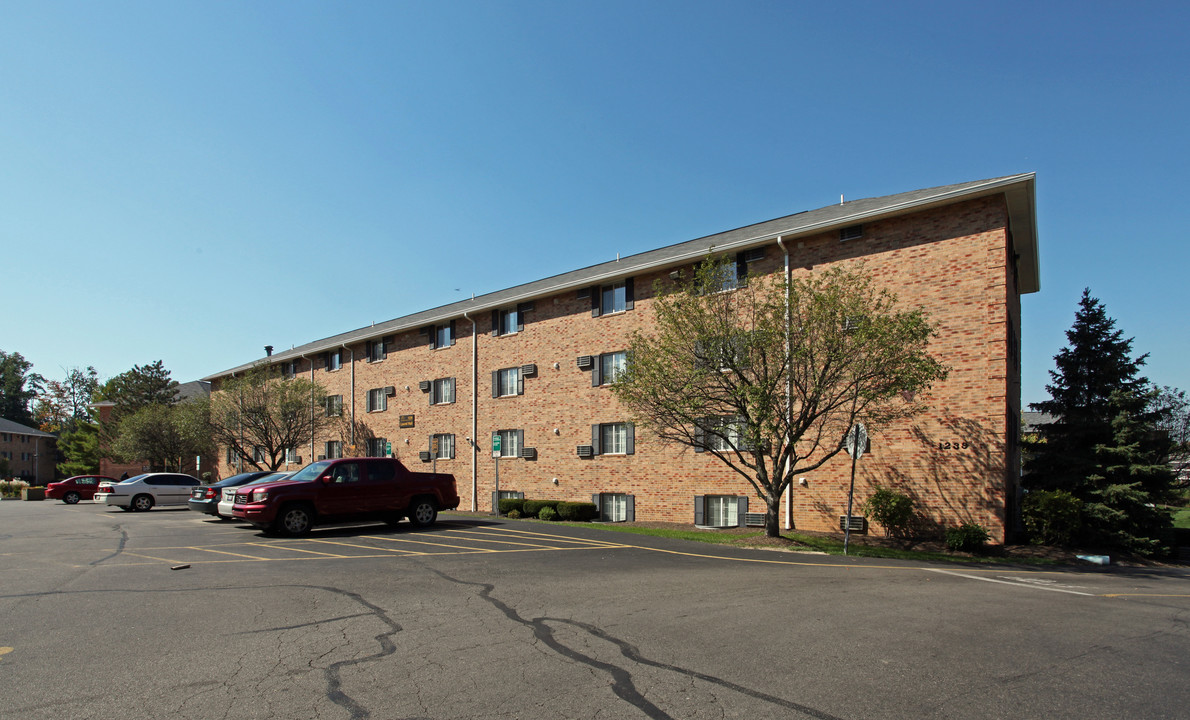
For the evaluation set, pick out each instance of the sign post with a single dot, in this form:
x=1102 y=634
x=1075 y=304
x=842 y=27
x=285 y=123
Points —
x=496 y=456
x=857 y=440
x=434 y=453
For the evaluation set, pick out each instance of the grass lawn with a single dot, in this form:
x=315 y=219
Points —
x=1181 y=518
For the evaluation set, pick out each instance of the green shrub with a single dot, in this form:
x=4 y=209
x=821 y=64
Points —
x=532 y=508
x=970 y=537
x=12 y=488
x=514 y=513
x=507 y=505
x=577 y=511
x=1052 y=517
x=891 y=509
x=547 y=513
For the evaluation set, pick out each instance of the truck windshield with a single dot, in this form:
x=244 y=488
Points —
x=310 y=472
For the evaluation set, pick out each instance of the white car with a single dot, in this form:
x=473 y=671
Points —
x=143 y=492
x=228 y=498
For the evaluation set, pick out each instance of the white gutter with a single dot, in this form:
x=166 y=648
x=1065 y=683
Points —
x=474 y=413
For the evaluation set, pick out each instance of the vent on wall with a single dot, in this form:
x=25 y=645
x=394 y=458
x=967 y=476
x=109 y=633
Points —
x=857 y=523
x=854 y=232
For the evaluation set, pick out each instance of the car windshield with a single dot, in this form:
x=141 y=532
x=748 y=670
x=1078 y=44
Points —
x=132 y=479
x=311 y=471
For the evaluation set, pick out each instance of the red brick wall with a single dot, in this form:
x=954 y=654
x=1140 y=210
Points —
x=953 y=261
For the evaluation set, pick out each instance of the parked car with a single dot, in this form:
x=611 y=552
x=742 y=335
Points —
x=228 y=501
x=146 y=491
x=346 y=489
x=73 y=489
x=205 y=498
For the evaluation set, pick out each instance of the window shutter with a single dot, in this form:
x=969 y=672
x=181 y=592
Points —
x=326 y=360
x=386 y=345
x=368 y=402
x=495 y=383
x=452 y=332
x=520 y=443
x=597 y=501
x=597 y=371
x=432 y=331
x=700 y=438
x=596 y=296
x=521 y=309
x=742 y=511
x=699 y=510
x=630 y=441
x=495 y=323
x=368 y=350
x=629 y=295
x=595 y=449
x=630 y=510
x=741 y=269
x=450 y=383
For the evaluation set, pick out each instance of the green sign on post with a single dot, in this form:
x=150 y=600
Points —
x=495 y=444
x=388 y=449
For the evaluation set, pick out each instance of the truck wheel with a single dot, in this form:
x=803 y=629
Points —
x=423 y=512
x=294 y=520
x=141 y=503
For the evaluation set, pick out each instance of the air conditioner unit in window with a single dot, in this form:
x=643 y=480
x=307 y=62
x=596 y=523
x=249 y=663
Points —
x=424 y=385
x=585 y=362
x=586 y=451
x=528 y=370
x=390 y=390
x=529 y=453
x=424 y=456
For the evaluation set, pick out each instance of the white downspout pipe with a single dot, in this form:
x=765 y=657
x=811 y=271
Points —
x=474 y=413
x=352 y=391
x=788 y=384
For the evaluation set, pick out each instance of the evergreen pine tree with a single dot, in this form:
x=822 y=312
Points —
x=1102 y=445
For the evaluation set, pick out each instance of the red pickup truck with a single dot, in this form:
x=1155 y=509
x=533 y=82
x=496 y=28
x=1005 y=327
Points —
x=343 y=490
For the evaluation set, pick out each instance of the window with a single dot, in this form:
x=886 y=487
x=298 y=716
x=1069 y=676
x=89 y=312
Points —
x=614 y=298
x=854 y=232
x=723 y=434
x=507 y=382
x=722 y=354
x=233 y=457
x=258 y=454
x=377 y=400
x=609 y=368
x=346 y=473
x=509 y=321
x=291 y=455
x=332 y=360
x=510 y=442
x=722 y=511
x=377 y=350
x=289 y=368
x=334 y=405
x=442 y=392
x=334 y=449
x=377 y=447
x=446 y=446
x=613 y=439
x=441 y=336
x=616 y=507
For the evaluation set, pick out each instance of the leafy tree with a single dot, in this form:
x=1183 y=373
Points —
x=132 y=390
x=1103 y=446
x=66 y=403
x=261 y=415
x=168 y=436
x=768 y=377
x=79 y=448
x=1172 y=410
x=18 y=387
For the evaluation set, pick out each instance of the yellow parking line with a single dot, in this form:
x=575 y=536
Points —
x=350 y=545
x=512 y=542
x=151 y=557
x=294 y=549
x=423 y=542
x=590 y=543
x=224 y=552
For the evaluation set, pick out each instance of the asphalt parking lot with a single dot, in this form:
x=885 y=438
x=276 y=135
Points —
x=477 y=618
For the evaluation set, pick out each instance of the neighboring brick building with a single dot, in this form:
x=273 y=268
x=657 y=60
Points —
x=195 y=389
x=32 y=454
x=529 y=362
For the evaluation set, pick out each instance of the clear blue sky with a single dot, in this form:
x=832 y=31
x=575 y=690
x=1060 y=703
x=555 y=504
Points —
x=191 y=181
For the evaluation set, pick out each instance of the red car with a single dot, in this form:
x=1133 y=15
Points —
x=79 y=487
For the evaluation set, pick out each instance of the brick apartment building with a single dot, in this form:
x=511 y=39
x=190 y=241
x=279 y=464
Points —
x=530 y=363
x=32 y=455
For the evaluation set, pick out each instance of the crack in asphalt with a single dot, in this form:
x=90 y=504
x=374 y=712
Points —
x=623 y=684
x=119 y=548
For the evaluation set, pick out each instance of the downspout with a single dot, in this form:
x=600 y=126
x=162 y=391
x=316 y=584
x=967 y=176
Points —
x=352 y=392
x=311 y=415
x=474 y=418
x=788 y=383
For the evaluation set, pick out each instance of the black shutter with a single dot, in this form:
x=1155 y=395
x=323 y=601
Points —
x=629 y=295
x=520 y=443
x=596 y=297
x=597 y=501
x=700 y=438
x=368 y=350
x=630 y=443
x=432 y=331
x=597 y=371
x=741 y=269
x=452 y=332
x=630 y=511
x=521 y=309
x=495 y=383
x=742 y=511
x=699 y=509
x=595 y=449
x=386 y=345
x=495 y=323
x=326 y=360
